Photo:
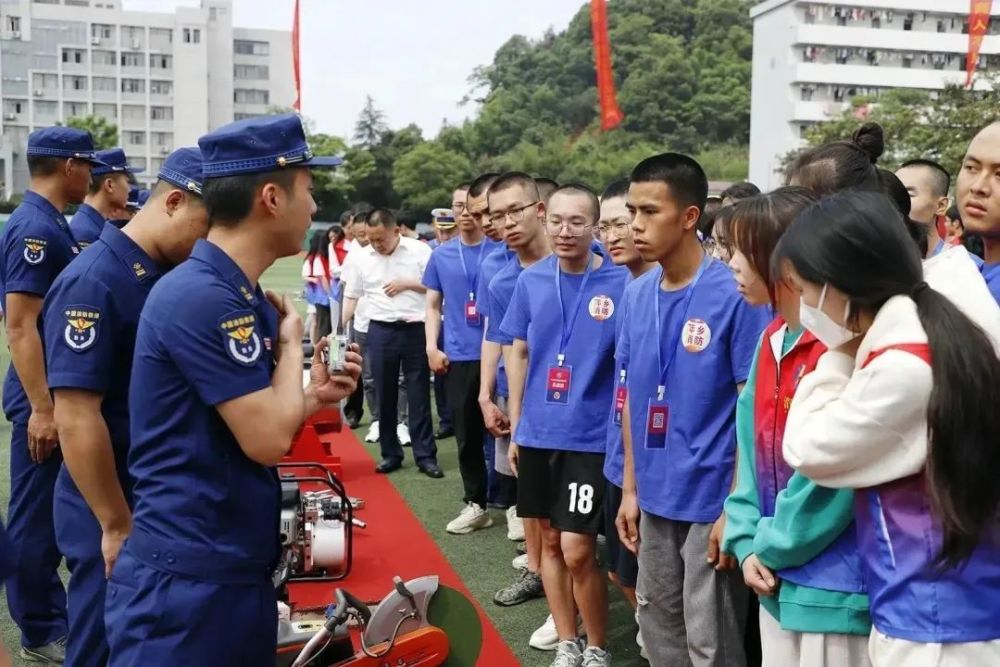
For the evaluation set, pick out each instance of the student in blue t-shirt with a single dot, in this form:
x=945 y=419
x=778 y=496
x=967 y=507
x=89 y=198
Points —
x=687 y=340
x=560 y=372
x=978 y=197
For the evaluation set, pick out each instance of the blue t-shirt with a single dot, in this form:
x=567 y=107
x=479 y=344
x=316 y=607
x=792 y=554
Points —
x=501 y=290
x=535 y=316
x=36 y=245
x=87 y=225
x=614 y=455
x=689 y=478
x=91 y=315
x=991 y=272
x=453 y=270
x=497 y=258
x=205 y=337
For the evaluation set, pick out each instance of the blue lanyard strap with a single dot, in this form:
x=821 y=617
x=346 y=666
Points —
x=676 y=338
x=465 y=269
x=567 y=327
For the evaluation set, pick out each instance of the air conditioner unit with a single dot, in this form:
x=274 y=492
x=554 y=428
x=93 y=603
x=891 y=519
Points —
x=95 y=41
x=164 y=150
x=136 y=44
x=39 y=92
x=10 y=116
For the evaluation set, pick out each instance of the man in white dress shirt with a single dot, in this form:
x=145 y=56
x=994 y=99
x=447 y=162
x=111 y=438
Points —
x=389 y=273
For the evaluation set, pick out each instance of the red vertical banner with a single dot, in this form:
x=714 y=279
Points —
x=611 y=113
x=296 y=72
x=979 y=21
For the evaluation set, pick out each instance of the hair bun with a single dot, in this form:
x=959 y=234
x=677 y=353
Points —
x=871 y=139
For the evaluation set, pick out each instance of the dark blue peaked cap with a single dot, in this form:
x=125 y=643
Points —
x=256 y=145
x=184 y=168
x=62 y=142
x=115 y=162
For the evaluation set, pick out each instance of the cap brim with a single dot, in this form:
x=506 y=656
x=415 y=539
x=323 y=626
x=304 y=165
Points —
x=94 y=162
x=324 y=162
x=134 y=170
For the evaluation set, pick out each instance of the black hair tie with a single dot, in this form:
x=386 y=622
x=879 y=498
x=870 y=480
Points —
x=918 y=289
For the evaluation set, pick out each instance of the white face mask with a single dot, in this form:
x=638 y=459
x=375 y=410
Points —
x=822 y=326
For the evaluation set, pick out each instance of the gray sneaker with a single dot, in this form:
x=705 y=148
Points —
x=50 y=654
x=568 y=654
x=596 y=657
x=528 y=587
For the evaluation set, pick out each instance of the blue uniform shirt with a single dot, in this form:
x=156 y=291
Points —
x=205 y=337
x=36 y=245
x=991 y=272
x=91 y=315
x=87 y=225
x=690 y=477
x=453 y=270
x=534 y=315
x=501 y=290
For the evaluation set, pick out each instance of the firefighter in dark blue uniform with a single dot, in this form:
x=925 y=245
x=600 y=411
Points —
x=107 y=198
x=91 y=315
x=36 y=245
x=215 y=399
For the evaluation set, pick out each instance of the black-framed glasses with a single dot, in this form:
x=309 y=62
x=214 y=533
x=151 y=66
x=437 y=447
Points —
x=515 y=214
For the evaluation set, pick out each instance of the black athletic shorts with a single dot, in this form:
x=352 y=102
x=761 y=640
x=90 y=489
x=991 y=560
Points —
x=567 y=488
x=621 y=561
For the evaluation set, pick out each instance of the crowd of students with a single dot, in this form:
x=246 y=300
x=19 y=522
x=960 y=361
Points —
x=787 y=397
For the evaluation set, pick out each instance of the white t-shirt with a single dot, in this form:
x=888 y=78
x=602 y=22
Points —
x=407 y=261
x=348 y=275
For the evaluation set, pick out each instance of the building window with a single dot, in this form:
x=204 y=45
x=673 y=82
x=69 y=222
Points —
x=164 y=139
x=133 y=112
x=245 y=47
x=46 y=2
x=47 y=109
x=44 y=81
x=75 y=82
x=137 y=162
x=104 y=58
x=213 y=13
x=251 y=72
x=104 y=84
x=101 y=31
x=161 y=87
x=192 y=36
x=133 y=138
x=14 y=23
x=72 y=56
x=133 y=86
x=161 y=113
x=74 y=109
x=161 y=35
x=109 y=111
x=243 y=116
x=251 y=96
x=157 y=61
x=78 y=3
x=133 y=59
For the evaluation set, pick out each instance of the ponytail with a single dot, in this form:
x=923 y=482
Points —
x=963 y=422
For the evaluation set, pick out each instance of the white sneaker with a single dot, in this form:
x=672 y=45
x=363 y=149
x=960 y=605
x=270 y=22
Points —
x=520 y=563
x=546 y=638
x=595 y=657
x=372 y=435
x=515 y=526
x=568 y=654
x=403 y=434
x=471 y=518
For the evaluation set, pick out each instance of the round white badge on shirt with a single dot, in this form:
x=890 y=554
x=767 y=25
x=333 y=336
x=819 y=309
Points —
x=697 y=335
x=601 y=307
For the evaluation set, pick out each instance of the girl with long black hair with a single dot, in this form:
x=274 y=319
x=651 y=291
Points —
x=903 y=408
x=316 y=272
x=794 y=539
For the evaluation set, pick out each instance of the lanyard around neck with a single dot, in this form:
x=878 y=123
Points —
x=676 y=338
x=471 y=281
x=567 y=327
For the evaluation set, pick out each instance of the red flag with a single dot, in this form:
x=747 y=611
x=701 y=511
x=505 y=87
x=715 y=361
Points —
x=297 y=105
x=611 y=113
x=979 y=21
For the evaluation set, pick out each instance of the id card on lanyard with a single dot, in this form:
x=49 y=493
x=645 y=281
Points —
x=472 y=317
x=559 y=380
x=658 y=409
x=621 y=395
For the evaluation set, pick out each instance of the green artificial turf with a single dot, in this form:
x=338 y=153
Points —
x=481 y=559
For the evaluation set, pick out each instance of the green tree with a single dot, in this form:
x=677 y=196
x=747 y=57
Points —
x=105 y=132
x=331 y=187
x=426 y=176
x=371 y=125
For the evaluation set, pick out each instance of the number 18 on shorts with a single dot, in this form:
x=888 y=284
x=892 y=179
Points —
x=567 y=488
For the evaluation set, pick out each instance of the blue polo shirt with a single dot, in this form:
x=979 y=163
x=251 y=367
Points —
x=205 y=337
x=501 y=290
x=453 y=270
x=689 y=478
x=535 y=316
x=991 y=272
x=87 y=225
x=91 y=315
x=36 y=245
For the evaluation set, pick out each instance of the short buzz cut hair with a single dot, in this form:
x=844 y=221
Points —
x=381 y=217
x=546 y=186
x=464 y=185
x=682 y=175
x=512 y=179
x=230 y=199
x=42 y=166
x=616 y=188
x=581 y=190
x=940 y=175
x=479 y=186
x=740 y=191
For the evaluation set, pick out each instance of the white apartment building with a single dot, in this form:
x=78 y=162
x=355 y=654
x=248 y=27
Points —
x=811 y=57
x=164 y=79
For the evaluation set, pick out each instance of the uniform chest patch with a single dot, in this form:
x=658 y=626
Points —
x=82 y=327
x=696 y=336
x=601 y=307
x=34 y=250
x=240 y=336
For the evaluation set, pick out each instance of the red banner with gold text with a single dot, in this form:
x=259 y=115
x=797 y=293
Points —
x=979 y=21
x=611 y=113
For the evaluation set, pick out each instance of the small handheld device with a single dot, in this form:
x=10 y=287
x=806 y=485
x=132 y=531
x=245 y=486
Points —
x=336 y=353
